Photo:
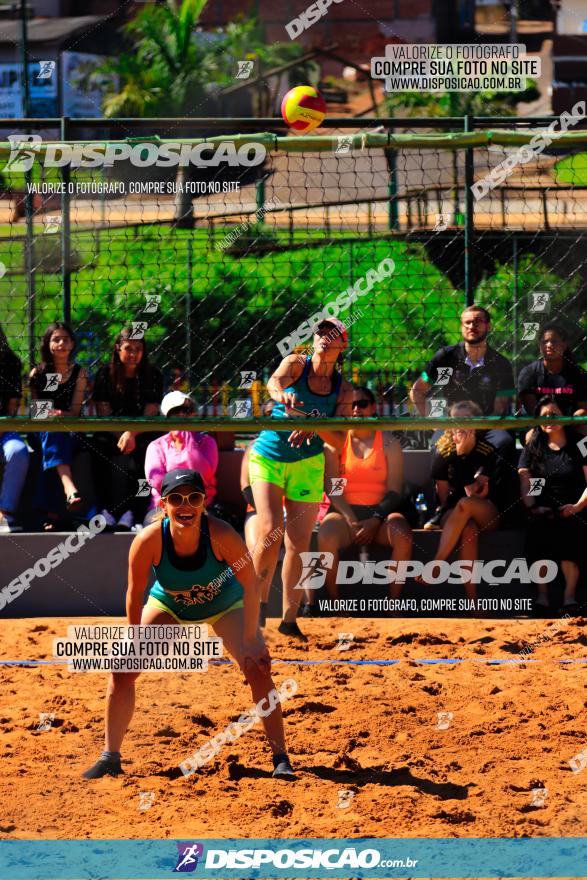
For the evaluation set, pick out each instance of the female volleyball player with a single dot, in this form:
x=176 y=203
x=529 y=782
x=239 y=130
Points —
x=290 y=465
x=190 y=553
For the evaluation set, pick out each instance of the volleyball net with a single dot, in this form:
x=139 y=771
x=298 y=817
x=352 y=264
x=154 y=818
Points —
x=223 y=251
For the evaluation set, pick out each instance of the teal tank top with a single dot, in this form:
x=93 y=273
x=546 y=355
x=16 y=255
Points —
x=194 y=587
x=274 y=445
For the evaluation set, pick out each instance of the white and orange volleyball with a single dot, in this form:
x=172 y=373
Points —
x=303 y=108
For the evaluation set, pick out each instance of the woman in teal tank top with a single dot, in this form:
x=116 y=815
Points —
x=194 y=557
x=287 y=467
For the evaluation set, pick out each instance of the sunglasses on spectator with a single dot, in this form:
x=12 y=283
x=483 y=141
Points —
x=181 y=410
x=176 y=499
x=474 y=322
x=362 y=403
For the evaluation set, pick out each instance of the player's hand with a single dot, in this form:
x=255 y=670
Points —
x=568 y=510
x=297 y=438
x=127 y=443
x=255 y=651
x=289 y=399
x=367 y=530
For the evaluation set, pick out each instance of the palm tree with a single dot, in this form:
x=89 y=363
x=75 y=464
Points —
x=171 y=71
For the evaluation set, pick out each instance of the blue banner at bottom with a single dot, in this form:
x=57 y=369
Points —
x=311 y=858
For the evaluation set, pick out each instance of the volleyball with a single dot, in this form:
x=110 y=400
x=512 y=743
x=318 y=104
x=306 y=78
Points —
x=303 y=108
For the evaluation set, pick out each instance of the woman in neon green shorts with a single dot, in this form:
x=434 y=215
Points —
x=194 y=557
x=290 y=465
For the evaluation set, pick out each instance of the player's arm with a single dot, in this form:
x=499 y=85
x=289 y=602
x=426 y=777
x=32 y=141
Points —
x=288 y=372
x=229 y=546
x=144 y=551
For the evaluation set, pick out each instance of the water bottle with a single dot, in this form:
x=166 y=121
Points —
x=422 y=509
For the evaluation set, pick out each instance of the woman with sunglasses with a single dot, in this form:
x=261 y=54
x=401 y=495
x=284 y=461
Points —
x=191 y=554
x=368 y=510
x=557 y=526
x=463 y=466
x=179 y=449
x=290 y=464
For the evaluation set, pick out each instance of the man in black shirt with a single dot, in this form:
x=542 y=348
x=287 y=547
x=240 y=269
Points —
x=471 y=370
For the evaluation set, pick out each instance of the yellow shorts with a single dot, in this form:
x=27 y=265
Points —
x=152 y=602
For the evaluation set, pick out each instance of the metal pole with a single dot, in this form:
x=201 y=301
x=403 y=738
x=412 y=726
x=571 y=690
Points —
x=28 y=196
x=24 y=51
x=29 y=263
x=188 y=315
x=514 y=12
x=515 y=309
x=260 y=198
x=469 y=218
x=350 y=331
x=393 y=212
x=65 y=231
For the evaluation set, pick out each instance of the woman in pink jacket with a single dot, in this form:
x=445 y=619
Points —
x=179 y=449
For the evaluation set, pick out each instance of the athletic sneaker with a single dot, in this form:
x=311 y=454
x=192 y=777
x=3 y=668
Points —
x=282 y=768
x=104 y=767
x=286 y=628
x=126 y=521
x=110 y=521
x=7 y=525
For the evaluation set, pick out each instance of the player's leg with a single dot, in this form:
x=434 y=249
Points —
x=468 y=550
x=482 y=511
x=266 y=478
x=333 y=535
x=230 y=629
x=396 y=533
x=120 y=706
x=300 y=519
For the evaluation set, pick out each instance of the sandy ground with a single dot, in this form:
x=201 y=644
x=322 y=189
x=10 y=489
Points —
x=370 y=731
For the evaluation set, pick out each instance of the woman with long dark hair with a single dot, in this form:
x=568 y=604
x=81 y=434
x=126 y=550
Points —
x=57 y=378
x=557 y=525
x=128 y=386
x=13 y=451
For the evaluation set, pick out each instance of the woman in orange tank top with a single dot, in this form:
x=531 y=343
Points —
x=367 y=510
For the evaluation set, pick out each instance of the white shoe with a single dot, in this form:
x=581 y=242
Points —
x=110 y=521
x=126 y=521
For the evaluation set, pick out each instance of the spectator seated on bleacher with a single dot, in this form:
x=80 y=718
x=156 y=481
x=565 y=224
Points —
x=14 y=455
x=179 y=449
x=557 y=502
x=128 y=386
x=471 y=499
x=61 y=383
x=368 y=474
